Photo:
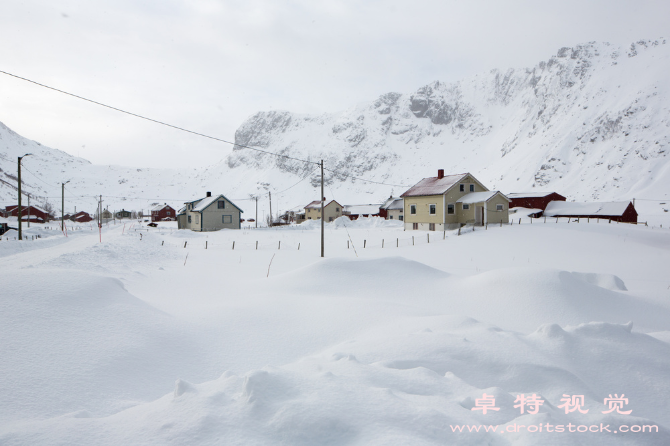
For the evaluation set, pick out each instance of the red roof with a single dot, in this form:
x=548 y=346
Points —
x=433 y=185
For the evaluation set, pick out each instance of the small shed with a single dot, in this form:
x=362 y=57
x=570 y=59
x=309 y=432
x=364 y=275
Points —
x=533 y=200
x=621 y=211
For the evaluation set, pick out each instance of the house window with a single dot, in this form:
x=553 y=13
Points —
x=499 y=207
x=415 y=226
x=400 y=217
x=462 y=188
x=222 y=204
x=431 y=209
x=337 y=209
x=330 y=218
x=390 y=217
x=227 y=218
x=431 y=226
x=412 y=209
x=472 y=188
x=167 y=213
x=189 y=219
x=466 y=206
x=450 y=209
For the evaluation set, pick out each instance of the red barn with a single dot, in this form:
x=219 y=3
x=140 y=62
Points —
x=621 y=211
x=163 y=212
x=37 y=215
x=533 y=200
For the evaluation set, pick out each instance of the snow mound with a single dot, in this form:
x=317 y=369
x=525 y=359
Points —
x=405 y=383
x=524 y=298
x=383 y=276
x=607 y=281
x=91 y=340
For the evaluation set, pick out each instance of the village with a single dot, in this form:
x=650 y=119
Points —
x=439 y=203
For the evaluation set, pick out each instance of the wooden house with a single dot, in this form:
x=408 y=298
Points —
x=447 y=202
x=163 y=212
x=332 y=210
x=210 y=213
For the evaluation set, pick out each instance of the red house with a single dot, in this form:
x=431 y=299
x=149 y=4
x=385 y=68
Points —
x=533 y=200
x=163 y=212
x=81 y=217
x=37 y=215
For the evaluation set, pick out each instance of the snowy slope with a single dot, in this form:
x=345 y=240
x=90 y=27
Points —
x=140 y=340
x=591 y=122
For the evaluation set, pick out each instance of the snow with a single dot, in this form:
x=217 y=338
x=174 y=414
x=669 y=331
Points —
x=537 y=194
x=433 y=185
x=138 y=340
x=558 y=208
x=362 y=209
x=477 y=197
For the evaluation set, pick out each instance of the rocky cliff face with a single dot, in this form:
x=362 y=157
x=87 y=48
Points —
x=591 y=121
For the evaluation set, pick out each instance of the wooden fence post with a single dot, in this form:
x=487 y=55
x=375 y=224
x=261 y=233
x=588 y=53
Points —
x=279 y=246
x=256 y=245
x=298 y=246
x=233 y=245
x=428 y=237
x=185 y=244
x=382 y=243
x=412 y=240
x=205 y=244
x=459 y=230
x=364 y=242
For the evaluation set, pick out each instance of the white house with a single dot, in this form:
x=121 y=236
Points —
x=209 y=214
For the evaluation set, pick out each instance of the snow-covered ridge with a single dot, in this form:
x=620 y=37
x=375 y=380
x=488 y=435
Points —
x=591 y=122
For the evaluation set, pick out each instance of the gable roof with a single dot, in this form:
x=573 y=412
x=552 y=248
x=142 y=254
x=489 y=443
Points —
x=393 y=204
x=612 y=208
x=316 y=204
x=434 y=185
x=203 y=203
x=531 y=194
x=160 y=207
x=478 y=197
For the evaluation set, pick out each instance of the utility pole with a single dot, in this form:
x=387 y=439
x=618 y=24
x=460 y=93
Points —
x=20 y=157
x=270 y=195
x=256 y=211
x=62 y=206
x=100 y=218
x=322 y=219
x=28 y=210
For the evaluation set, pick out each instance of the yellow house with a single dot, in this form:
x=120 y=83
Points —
x=447 y=202
x=332 y=210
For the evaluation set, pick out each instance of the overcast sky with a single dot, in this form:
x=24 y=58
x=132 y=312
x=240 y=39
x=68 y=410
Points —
x=208 y=65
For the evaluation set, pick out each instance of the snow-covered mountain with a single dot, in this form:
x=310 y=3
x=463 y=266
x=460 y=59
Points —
x=591 y=122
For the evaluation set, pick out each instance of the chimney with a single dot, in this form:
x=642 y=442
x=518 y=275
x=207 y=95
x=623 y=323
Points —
x=440 y=174
x=209 y=194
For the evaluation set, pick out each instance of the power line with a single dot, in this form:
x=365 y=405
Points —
x=195 y=133
x=155 y=120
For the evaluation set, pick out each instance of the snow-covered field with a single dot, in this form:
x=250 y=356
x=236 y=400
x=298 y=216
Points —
x=160 y=336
